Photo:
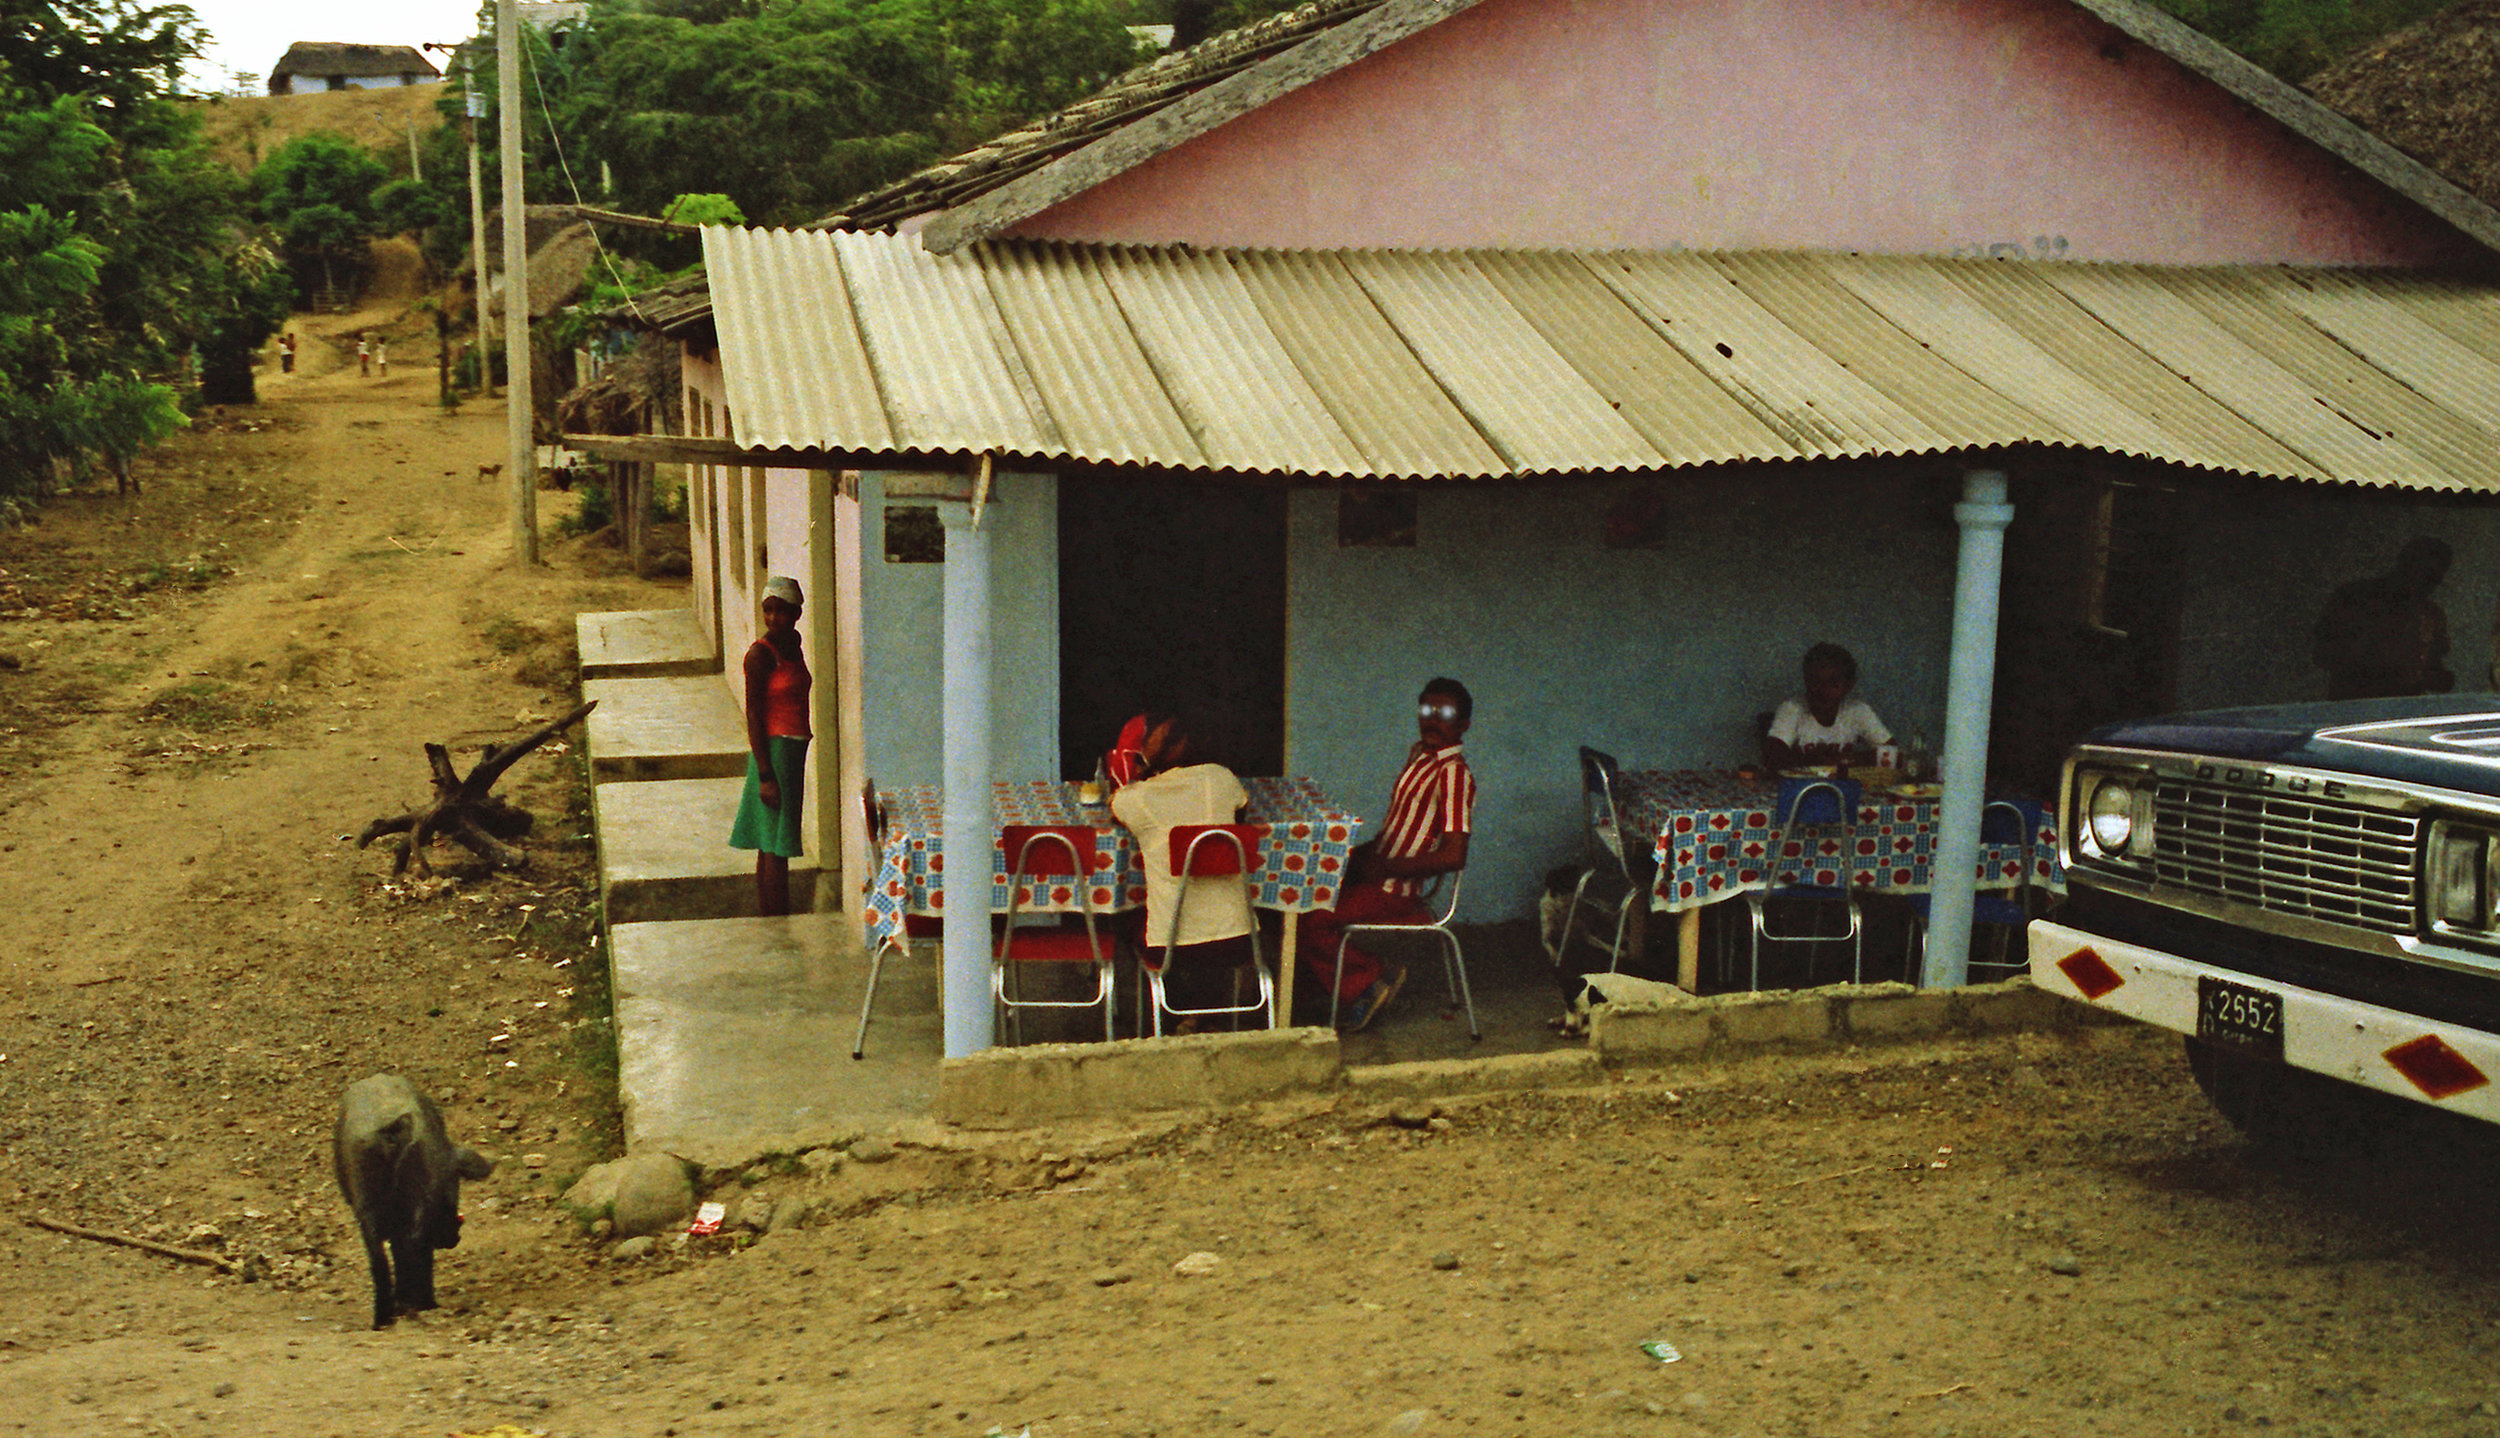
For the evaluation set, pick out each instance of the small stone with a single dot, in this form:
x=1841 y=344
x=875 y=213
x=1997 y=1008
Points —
x=652 y=1194
x=1198 y=1265
x=602 y=1229
x=533 y=1160
x=1109 y=1277
x=872 y=1150
x=791 y=1212
x=1439 y=1125
x=754 y=1212
x=756 y=1174
x=1445 y=1261
x=1408 y=1115
x=1410 y=1421
x=207 y=1235
x=1654 y=1408
x=817 y=1162
x=222 y=1390
x=633 y=1248
x=2066 y=1265
x=1266 y=1380
x=1792 y=1270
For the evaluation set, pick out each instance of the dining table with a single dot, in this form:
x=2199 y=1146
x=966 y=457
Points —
x=1304 y=840
x=1711 y=833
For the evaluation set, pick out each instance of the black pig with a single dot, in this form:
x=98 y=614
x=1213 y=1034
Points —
x=401 y=1174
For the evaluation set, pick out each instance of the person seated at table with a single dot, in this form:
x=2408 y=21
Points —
x=1125 y=762
x=1172 y=791
x=1830 y=724
x=1431 y=811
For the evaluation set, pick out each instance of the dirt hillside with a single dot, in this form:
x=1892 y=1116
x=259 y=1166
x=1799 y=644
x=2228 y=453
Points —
x=2433 y=91
x=243 y=129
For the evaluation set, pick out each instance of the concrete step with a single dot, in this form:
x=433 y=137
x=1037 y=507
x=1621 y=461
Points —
x=643 y=644
x=670 y=727
x=734 y=1035
x=664 y=852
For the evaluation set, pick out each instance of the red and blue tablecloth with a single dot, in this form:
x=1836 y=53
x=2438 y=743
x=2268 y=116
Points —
x=1712 y=833
x=1303 y=842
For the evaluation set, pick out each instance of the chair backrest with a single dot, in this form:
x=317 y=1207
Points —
x=2004 y=821
x=1434 y=895
x=873 y=810
x=1205 y=851
x=1046 y=851
x=1601 y=781
x=1805 y=803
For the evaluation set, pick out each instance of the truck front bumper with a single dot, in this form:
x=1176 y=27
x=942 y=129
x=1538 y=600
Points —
x=2443 y=1065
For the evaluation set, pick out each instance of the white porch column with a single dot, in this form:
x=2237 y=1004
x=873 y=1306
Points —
x=964 y=977
x=1970 y=688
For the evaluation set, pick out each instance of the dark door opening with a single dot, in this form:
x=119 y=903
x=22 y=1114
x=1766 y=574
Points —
x=1172 y=596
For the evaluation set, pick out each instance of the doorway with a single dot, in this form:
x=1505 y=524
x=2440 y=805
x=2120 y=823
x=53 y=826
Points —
x=1172 y=596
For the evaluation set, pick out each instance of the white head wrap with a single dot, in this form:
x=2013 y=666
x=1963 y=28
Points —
x=785 y=590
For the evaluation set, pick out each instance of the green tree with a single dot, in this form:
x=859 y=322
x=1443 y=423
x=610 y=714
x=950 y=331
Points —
x=2298 y=38
x=317 y=192
x=124 y=249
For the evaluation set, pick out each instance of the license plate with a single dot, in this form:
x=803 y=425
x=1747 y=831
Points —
x=2239 y=1017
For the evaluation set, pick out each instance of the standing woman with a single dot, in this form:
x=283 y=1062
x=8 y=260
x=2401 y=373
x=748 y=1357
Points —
x=777 y=735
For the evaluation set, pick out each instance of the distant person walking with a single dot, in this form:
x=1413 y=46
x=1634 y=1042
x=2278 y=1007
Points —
x=382 y=357
x=286 y=353
x=364 y=355
x=2384 y=636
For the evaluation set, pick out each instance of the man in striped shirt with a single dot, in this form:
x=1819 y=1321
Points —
x=1431 y=811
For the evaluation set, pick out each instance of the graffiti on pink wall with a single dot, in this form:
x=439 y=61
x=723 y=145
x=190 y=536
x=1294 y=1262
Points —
x=1954 y=127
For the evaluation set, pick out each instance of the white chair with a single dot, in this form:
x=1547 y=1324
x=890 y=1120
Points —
x=1453 y=962
x=1204 y=851
x=1613 y=860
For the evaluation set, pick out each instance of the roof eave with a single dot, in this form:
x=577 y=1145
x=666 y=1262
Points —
x=1173 y=125
x=2304 y=114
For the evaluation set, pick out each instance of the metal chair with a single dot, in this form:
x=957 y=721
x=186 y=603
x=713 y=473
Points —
x=1204 y=851
x=2002 y=821
x=1611 y=862
x=1453 y=962
x=1042 y=852
x=1802 y=805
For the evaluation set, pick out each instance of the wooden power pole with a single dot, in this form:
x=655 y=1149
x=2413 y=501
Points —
x=523 y=461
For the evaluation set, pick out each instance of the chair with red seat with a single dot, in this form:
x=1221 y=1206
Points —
x=1036 y=855
x=1204 y=851
x=1453 y=959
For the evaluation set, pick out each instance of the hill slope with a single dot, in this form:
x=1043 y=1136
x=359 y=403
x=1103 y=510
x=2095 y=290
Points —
x=242 y=130
x=2433 y=91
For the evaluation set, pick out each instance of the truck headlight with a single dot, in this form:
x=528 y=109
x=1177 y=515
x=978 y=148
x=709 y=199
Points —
x=2109 y=814
x=2461 y=878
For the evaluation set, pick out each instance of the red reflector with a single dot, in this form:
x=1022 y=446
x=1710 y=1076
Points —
x=2438 y=1070
x=2089 y=972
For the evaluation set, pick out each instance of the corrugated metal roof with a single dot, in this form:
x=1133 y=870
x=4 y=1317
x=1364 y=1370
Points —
x=1480 y=364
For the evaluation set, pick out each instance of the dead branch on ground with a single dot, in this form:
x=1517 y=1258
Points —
x=464 y=809
x=187 y=1255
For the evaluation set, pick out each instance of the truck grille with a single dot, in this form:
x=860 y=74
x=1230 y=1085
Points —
x=2341 y=863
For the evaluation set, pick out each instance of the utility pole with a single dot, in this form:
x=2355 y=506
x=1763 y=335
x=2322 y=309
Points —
x=523 y=461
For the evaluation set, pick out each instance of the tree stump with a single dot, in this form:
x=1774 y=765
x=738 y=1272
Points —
x=465 y=809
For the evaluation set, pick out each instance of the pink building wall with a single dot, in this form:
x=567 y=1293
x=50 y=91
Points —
x=1955 y=127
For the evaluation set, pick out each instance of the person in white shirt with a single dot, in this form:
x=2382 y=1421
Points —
x=1829 y=725
x=1177 y=792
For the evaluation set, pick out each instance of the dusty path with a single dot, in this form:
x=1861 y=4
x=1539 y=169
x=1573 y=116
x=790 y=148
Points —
x=2046 y=1234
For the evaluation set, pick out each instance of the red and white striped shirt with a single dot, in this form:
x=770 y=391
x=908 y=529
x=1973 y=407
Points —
x=1434 y=798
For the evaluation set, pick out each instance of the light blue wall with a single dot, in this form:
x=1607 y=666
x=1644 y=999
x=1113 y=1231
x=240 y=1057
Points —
x=2261 y=570
x=1659 y=657
x=902 y=629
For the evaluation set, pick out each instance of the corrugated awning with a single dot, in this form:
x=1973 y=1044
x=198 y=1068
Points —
x=1477 y=364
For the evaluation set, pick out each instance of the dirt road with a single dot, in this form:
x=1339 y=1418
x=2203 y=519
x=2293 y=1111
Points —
x=216 y=680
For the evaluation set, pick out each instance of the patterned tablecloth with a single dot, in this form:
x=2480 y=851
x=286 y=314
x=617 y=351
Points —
x=1713 y=832
x=1302 y=851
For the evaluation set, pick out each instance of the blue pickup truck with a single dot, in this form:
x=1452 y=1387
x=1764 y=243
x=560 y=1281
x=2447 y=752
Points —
x=2309 y=893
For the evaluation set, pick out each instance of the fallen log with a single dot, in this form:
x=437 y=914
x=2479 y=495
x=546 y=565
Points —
x=465 y=809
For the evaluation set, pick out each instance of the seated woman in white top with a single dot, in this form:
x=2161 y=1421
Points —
x=1829 y=725
x=1178 y=792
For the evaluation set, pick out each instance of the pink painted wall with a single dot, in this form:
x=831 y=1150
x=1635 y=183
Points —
x=1957 y=127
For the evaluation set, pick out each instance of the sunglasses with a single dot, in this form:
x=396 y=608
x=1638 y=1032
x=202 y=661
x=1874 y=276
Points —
x=1437 y=711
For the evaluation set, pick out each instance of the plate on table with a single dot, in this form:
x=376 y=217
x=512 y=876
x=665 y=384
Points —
x=1812 y=771
x=1918 y=791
